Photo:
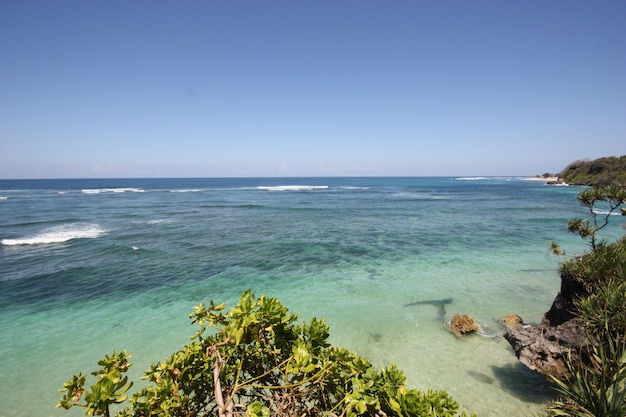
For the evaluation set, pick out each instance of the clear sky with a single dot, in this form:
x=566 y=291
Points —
x=206 y=88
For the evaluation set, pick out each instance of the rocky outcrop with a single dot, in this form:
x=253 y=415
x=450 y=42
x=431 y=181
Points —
x=512 y=321
x=558 y=181
x=462 y=325
x=545 y=347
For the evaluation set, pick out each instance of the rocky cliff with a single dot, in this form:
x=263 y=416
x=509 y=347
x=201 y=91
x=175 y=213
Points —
x=544 y=347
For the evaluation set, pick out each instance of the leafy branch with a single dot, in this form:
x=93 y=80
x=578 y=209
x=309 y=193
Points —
x=110 y=387
x=612 y=195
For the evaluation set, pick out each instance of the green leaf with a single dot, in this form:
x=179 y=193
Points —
x=361 y=407
x=257 y=409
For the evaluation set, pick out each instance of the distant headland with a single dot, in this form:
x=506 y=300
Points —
x=602 y=171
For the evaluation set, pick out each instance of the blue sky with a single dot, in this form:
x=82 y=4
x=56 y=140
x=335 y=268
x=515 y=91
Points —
x=308 y=88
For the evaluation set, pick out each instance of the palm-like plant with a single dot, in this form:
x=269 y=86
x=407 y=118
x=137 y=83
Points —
x=597 y=387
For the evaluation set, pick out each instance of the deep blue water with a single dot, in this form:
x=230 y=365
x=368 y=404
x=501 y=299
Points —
x=88 y=266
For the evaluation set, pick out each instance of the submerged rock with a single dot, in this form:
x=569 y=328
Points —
x=512 y=321
x=462 y=325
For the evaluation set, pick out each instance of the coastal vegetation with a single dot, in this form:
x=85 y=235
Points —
x=597 y=172
x=256 y=360
x=596 y=382
x=596 y=385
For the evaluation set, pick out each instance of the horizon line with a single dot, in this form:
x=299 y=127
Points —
x=540 y=176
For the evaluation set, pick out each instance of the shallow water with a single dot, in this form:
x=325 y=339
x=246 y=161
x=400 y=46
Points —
x=88 y=266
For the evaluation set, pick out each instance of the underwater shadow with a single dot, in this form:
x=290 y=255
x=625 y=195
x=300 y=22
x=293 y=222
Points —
x=523 y=383
x=439 y=304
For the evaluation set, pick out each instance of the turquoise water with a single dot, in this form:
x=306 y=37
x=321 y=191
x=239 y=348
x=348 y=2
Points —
x=89 y=266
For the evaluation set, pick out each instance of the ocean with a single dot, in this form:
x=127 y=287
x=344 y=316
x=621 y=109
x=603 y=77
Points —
x=95 y=265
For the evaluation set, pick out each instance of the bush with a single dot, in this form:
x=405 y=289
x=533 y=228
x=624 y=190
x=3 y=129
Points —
x=597 y=383
x=597 y=387
x=607 y=262
x=604 y=311
x=255 y=360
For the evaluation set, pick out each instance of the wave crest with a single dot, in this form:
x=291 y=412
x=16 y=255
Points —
x=58 y=235
x=293 y=187
x=111 y=190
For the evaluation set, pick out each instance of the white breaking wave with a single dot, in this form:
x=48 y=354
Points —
x=193 y=190
x=111 y=190
x=420 y=196
x=59 y=235
x=294 y=187
x=605 y=212
x=485 y=178
x=152 y=221
x=4 y=198
x=158 y=221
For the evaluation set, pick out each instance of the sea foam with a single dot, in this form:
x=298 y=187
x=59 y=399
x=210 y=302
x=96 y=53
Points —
x=486 y=178
x=293 y=187
x=111 y=190
x=606 y=212
x=193 y=190
x=58 y=235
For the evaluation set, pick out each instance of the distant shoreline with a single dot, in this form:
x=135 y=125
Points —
x=547 y=179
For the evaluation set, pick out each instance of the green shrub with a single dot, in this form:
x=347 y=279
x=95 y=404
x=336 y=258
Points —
x=255 y=360
x=604 y=311
x=597 y=383
x=607 y=262
x=597 y=386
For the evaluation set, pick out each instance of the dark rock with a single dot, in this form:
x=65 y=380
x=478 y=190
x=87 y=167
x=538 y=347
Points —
x=545 y=348
x=563 y=308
